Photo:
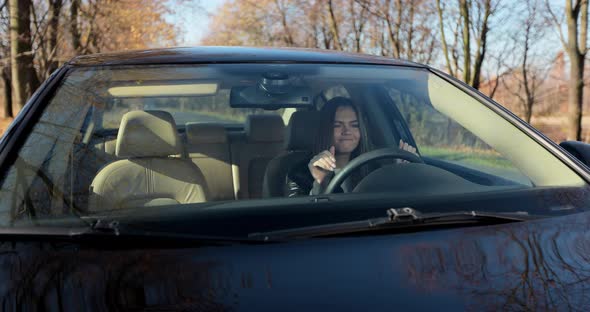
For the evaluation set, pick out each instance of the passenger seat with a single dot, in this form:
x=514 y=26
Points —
x=146 y=174
x=263 y=142
x=208 y=147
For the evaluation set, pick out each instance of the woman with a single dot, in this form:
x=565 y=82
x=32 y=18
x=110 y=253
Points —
x=342 y=137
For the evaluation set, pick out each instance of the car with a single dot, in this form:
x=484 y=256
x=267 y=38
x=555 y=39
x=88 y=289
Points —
x=164 y=180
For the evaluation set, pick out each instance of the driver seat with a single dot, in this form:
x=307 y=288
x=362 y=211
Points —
x=149 y=172
x=300 y=137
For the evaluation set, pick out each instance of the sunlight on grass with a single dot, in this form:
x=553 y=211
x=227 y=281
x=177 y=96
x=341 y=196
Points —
x=478 y=157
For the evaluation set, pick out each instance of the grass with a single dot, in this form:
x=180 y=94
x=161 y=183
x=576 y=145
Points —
x=478 y=157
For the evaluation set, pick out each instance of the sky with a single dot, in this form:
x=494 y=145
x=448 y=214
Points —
x=194 y=19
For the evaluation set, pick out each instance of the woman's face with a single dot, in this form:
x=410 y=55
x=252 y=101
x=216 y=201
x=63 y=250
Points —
x=346 y=130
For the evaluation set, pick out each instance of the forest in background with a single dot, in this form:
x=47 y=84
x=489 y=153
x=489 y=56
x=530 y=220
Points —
x=37 y=36
x=528 y=55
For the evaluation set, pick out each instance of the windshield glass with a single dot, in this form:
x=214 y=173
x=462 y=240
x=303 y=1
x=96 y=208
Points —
x=216 y=141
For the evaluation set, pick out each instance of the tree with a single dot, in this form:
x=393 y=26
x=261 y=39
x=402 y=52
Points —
x=576 y=17
x=402 y=29
x=45 y=33
x=530 y=75
x=352 y=25
x=469 y=24
x=5 y=74
x=24 y=77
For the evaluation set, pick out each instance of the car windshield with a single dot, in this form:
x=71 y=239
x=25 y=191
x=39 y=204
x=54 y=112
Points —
x=232 y=148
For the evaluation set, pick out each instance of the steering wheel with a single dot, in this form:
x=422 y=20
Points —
x=382 y=153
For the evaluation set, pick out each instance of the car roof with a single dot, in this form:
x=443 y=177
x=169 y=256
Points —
x=233 y=55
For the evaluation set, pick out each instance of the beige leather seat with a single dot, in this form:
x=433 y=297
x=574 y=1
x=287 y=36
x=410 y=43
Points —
x=207 y=146
x=263 y=142
x=146 y=175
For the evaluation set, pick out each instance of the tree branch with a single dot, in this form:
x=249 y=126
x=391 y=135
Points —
x=443 y=39
x=557 y=23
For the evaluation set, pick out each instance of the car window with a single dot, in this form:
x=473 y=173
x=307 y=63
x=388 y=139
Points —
x=137 y=139
x=443 y=139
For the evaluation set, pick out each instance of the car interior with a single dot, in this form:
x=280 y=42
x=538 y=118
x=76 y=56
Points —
x=154 y=161
x=163 y=136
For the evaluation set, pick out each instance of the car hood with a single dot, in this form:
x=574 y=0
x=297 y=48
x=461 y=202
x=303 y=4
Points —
x=542 y=264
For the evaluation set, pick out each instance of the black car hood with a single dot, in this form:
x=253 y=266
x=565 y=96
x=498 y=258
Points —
x=542 y=264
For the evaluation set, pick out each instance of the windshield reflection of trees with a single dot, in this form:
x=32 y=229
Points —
x=526 y=266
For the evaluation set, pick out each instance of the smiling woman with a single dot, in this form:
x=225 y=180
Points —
x=342 y=136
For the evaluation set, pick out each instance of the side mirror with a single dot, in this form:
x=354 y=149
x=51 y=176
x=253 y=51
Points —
x=578 y=149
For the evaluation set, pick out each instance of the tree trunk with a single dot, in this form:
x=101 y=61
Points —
x=409 y=47
x=334 y=27
x=6 y=110
x=53 y=28
x=443 y=39
x=576 y=87
x=24 y=77
x=528 y=112
x=576 y=49
x=74 y=26
x=466 y=27
x=481 y=46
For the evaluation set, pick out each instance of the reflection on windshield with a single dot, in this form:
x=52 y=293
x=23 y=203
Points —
x=118 y=280
x=533 y=266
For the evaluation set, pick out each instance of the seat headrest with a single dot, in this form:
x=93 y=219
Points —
x=205 y=133
x=265 y=128
x=147 y=134
x=302 y=130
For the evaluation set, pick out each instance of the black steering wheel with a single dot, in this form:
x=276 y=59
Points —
x=382 y=153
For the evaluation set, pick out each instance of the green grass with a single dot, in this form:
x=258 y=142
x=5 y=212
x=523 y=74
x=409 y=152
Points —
x=488 y=158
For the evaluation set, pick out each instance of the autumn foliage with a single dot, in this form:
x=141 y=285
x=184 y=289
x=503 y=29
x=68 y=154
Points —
x=51 y=32
x=496 y=46
x=499 y=47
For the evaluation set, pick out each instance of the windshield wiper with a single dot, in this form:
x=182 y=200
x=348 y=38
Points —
x=105 y=228
x=398 y=218
x=111 y=233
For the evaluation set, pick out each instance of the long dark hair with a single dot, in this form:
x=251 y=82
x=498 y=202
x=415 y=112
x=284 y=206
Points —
x=325 y=137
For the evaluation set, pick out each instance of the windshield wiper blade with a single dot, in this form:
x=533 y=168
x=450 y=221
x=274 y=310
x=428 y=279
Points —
x=111 y=233
x=112 y=229
x=396 y=218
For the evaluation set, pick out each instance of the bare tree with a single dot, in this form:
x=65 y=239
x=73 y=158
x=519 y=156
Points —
x=530 y=76
x=496 y=70
x=334 y=26
x=287 y=35
x=359 y=20
x=24 y=77
x=472 y=23
x=401 y=29
x=5 y=75
x=74 y=29
x=55 y=7
x=576 y=17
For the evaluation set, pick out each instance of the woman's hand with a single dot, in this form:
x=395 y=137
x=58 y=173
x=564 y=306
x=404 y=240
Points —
x=321 y=164
x=406 y=147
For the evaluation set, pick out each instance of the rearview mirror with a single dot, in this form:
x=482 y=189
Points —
x=274 y=90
